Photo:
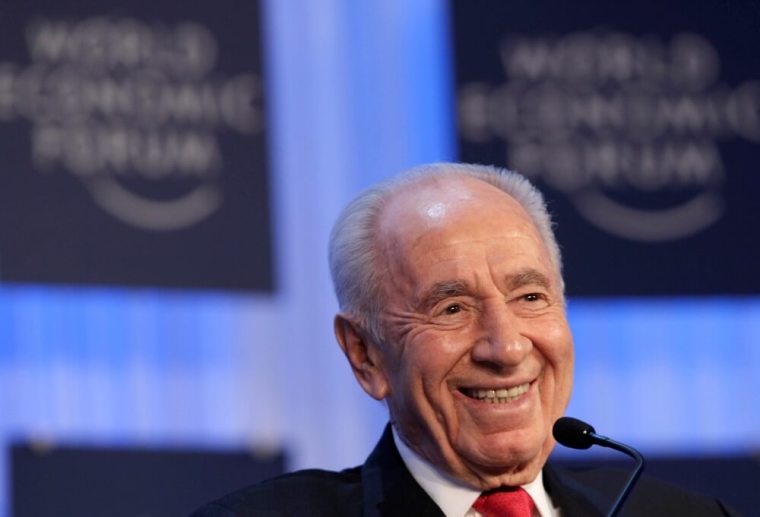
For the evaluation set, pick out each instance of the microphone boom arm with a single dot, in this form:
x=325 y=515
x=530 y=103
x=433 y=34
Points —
x=630 y=451
x=577 y=434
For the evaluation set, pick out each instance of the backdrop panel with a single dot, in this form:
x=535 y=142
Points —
x=134 y=145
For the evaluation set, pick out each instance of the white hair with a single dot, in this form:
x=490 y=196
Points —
x=354 y=256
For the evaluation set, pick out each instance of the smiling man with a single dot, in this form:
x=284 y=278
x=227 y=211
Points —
x=475 y=355
x=453 y=314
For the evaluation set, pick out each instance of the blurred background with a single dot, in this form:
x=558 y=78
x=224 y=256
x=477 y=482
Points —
x=170 y=172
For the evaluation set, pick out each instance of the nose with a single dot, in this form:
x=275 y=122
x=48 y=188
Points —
x=499 y=343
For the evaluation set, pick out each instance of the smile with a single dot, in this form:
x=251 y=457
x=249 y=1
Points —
x=496 y=396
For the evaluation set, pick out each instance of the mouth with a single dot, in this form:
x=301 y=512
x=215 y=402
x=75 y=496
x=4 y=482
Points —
x=496 y=395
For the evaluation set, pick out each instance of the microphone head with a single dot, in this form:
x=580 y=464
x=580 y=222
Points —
x=573 y=433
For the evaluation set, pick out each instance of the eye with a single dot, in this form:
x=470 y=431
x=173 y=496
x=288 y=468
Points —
x=452 y=309
x=534 y=300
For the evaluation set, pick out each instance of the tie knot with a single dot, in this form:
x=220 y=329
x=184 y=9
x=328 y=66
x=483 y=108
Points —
x=504 y=502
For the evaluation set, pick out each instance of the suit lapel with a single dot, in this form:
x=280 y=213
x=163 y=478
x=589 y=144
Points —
x=573 y=498
x=389 y=489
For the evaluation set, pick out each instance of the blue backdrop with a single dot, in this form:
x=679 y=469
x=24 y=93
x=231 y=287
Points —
x=356 y=92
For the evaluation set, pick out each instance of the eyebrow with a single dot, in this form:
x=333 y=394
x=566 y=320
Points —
x=442 y=290
x=527 y=277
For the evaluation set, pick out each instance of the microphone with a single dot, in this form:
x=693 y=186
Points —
x=577 y=434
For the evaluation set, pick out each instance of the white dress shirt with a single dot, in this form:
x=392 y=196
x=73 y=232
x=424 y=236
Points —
x=455 y=498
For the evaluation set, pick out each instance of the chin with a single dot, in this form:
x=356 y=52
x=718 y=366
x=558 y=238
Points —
x=511 y=453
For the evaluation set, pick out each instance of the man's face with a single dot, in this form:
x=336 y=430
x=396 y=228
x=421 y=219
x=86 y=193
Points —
x=478 y=356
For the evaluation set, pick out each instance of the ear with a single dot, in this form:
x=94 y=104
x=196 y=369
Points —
x=363 y=355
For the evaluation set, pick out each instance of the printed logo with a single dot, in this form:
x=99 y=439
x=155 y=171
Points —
x=133 y=110
x=607 y=118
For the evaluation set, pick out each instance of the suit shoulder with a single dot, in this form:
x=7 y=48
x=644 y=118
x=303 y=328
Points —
x=305 y=492
x=650 y=496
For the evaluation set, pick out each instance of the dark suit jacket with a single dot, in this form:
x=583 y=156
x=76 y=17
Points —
x=384 y=487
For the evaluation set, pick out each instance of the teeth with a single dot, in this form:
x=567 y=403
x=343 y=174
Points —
x=498 y=396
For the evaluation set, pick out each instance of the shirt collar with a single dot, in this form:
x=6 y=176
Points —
x=455 y=498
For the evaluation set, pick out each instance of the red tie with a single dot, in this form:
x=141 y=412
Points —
x=505 y=502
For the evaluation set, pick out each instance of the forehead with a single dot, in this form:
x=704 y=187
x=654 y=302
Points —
x=451 y=218
x=449 y=204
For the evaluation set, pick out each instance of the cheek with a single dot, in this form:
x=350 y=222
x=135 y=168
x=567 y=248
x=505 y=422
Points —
x=556 y=347
x=427 y=362
x=557 y=344
x=563 y=364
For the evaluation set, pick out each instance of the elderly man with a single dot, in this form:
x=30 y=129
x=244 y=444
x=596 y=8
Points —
x=452 y=312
